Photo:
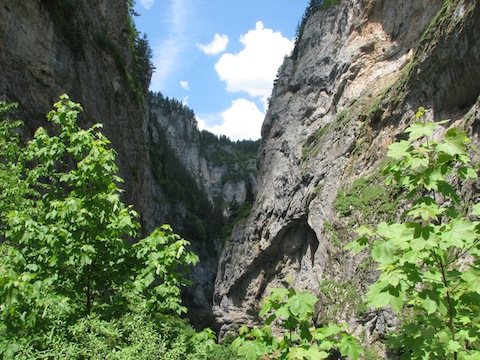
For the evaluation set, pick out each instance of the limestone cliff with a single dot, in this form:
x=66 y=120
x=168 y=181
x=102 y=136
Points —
x=362 y=68
x=81 y=48
x=219 y=168
x=193 y=182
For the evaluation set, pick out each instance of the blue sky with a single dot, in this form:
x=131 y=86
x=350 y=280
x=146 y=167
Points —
x=220 y=57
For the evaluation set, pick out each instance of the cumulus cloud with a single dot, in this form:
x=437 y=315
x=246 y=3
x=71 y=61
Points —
x=242 y=120
x=216 y=46
x=254 y=68
x=147 y=4
x=184 y=85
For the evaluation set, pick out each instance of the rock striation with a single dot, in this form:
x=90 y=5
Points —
x=80 y=48
x=362 y=69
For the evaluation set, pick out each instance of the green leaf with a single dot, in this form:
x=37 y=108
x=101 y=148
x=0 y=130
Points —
x=426 y=211
x=467 y=172
x=393 y=276
x=447 y=190
x=313 y=352
x=418 y=161
x=364 y=231
x=283 y=312
x=399 y=150
x=243 y=330
x=459 y=233
x=420 y=129
x=252 y=350
x=305 y=333
x=266 y=307
x=472 y=278
x=453 y=142
x=476 y=209
x=453 y=346
x=349 y=346
x=429 y=301
x=302 y=304
x=376 y=297
x=278 y=294
x=383 y=251
x=357 y=245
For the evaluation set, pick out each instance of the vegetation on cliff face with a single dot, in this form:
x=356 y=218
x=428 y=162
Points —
x=136 y=71
x=205 y=219
x=312 y=8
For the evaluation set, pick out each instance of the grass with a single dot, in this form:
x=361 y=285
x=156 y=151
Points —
x=368 y=199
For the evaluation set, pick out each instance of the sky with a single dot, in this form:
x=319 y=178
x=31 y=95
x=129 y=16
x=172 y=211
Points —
x=220 y=57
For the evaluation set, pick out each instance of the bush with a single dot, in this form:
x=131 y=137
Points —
x=72 y=284
x=430 y=263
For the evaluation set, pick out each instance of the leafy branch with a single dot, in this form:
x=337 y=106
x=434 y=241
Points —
x=429 y=264
x=292 y=313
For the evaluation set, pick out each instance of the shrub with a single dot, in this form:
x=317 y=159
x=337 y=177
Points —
x=429 y=263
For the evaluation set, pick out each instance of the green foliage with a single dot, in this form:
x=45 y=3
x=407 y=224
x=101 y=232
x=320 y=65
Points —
x=165 y=255
x=203 y=219
x=12 y=185
x=67 y=270
x=241 y=213
x=294 y=313
x=367 y=200
x=313 y=145
x=235 y=155
x=135 y=335
x=171 y=105
x=138 y=75
x=429 y=264
x=138 y=78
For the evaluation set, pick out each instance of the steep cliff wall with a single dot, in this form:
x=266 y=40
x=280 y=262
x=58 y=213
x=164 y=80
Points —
x=362 y=70
x=81 y=48
x=219 y=168
x=194 y=177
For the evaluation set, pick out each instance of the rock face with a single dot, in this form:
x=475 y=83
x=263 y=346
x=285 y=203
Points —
x=193 y=179
x=80 y=48
x=215 y=168
x=362 y=70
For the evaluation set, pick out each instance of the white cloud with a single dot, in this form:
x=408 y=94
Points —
x=242 y=120
x=147 y=4
x=254 y=68
x=216 y=46
x=168 y=53
x=184 y=85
